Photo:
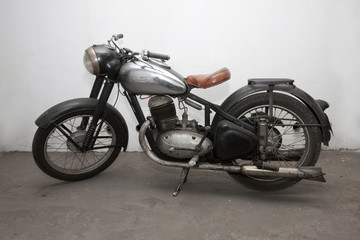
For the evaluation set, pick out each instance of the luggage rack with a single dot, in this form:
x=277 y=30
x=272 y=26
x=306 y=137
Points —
x=270 y=81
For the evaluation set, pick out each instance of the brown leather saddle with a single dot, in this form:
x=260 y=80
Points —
x=209 y=80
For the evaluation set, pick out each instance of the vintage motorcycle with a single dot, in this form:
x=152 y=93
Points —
x=267 y=135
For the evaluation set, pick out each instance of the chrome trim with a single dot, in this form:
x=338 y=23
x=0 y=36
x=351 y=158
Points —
x=94 y=60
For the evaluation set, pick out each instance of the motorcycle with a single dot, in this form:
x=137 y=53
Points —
x=266 y=135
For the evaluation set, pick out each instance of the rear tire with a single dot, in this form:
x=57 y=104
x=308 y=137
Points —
x=296 y=146
x=58 y=157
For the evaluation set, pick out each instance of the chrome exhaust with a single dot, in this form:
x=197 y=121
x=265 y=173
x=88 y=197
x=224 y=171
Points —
x=310 y=173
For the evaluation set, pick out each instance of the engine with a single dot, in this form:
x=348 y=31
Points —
x=180 y=139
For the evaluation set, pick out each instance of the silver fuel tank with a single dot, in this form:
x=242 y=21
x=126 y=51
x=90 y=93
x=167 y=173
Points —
x=151 y=78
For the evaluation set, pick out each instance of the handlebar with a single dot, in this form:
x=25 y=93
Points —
x=146 y=53
x=113 y=40
x=117 y=36
x=157 y=55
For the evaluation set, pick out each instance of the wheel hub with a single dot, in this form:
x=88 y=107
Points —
x=77 y=137
x=274 y=142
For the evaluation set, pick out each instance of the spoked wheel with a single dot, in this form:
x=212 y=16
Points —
x=57 y=156
x=290 y=144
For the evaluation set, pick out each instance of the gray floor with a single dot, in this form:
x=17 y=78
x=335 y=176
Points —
x=132 y=200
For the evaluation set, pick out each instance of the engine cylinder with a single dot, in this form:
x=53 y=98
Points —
x=163 y=112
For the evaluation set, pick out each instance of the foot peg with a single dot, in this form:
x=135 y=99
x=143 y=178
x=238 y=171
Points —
x=182 y=180
x=193 y=161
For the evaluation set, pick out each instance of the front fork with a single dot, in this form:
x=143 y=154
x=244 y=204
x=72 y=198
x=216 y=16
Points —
x=97 y=86
x=98 y=83
x=99 y=110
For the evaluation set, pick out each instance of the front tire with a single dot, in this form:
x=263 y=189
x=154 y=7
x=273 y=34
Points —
x=59 y=158
x=296 y=146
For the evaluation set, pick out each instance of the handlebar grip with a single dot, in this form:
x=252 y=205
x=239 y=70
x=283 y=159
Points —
x=118 y=36
x=158 y=55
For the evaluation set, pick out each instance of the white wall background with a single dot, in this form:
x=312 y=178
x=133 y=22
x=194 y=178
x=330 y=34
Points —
x=315 y=42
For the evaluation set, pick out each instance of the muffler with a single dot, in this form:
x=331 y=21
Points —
x=309 y=173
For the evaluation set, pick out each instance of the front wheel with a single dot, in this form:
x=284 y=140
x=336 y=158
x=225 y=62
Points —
x=57 y=156
x=293 y=145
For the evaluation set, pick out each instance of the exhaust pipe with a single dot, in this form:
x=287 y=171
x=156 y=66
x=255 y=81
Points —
x=310 y=173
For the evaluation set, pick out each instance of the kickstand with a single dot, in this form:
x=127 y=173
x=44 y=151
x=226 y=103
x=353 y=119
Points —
x=182 y=180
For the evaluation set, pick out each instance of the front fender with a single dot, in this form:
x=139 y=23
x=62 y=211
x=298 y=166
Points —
x=287 y=88
x=61 y=109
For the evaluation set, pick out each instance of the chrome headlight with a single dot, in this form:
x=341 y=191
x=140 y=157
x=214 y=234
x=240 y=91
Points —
x=102 y=60
x=90 y=61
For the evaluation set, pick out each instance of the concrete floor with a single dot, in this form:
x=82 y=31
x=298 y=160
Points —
x=133 y=200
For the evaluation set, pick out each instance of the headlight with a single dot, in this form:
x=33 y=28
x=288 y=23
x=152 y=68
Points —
x=90 y=61
x=102 y=60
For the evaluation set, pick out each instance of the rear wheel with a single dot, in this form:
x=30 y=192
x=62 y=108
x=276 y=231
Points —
x=293 y=145
x=58 y=157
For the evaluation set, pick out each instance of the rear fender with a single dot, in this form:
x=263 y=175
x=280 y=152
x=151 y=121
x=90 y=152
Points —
x=64 y=108
x=287 y=88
